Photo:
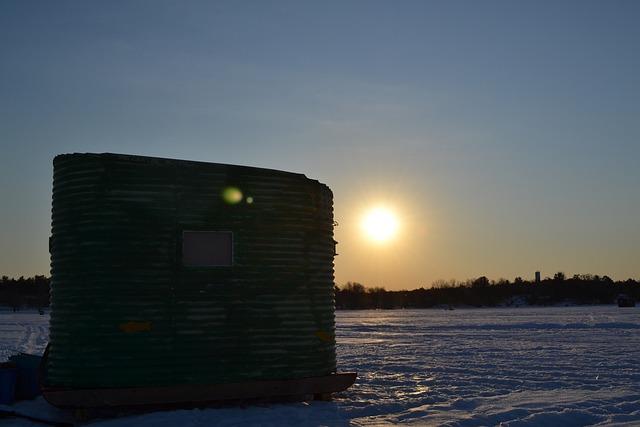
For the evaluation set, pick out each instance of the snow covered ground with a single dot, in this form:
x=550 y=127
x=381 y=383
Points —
x=564 y=366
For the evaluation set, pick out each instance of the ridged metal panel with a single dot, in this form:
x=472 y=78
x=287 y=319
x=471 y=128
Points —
x=126 y=313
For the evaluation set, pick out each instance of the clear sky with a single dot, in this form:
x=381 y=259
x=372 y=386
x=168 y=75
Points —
x=505 y=135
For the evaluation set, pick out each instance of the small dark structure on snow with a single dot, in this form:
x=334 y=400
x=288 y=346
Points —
x=625 y=300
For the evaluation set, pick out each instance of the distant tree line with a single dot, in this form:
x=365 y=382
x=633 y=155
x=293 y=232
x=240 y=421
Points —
x=33 y=292
x=482 y=292
x=19 y=293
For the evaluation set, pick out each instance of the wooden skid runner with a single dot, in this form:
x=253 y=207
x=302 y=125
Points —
x=117 y=397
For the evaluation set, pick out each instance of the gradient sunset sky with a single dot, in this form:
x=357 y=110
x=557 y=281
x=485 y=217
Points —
x=504 y=135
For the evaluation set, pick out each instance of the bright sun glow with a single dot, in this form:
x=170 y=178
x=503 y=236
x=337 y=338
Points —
x=380 y=224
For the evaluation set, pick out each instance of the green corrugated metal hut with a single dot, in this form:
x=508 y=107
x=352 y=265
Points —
x=173 y=273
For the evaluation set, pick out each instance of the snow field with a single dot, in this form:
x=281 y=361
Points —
x=556 y=366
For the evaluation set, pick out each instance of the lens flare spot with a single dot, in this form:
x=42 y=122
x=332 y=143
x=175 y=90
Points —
x=249 y=200
x=232 y=195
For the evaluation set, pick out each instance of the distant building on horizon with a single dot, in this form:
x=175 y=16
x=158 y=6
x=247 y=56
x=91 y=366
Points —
x=537 y=277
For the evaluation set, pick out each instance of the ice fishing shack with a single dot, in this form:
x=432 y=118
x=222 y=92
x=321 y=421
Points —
x=180 y=281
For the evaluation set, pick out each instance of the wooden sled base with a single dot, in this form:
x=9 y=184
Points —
x=318 y=387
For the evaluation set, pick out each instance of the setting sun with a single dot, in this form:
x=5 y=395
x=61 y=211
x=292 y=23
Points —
x=380 y=224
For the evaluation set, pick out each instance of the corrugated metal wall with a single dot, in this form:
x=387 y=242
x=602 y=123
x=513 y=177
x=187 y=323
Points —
x=125 y=312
